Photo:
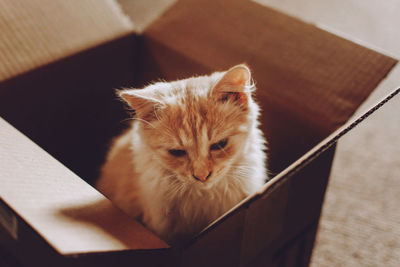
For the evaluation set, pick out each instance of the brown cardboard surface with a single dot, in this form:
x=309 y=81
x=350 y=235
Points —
x=260 y=214
x=71 y=215
x=310 y=79
x=309 y=83
x=287 y=209
x=69 y=107
x=220 y=247
x=294 y=253
x=298 y=200
x=144 y=12
x=37 y=32
x=29 y=250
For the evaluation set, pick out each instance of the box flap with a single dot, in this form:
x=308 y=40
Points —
x=309 y=81
x=68 y=213
x=37 y=32
x=290 y=203
x=220 y=247
x=57 y=105
x=325 y=145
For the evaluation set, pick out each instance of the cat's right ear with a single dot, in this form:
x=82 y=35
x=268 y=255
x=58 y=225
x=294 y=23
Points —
x=235 y=85
x=142 y=101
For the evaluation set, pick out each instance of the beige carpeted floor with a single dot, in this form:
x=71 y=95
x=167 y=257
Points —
x=360 y=224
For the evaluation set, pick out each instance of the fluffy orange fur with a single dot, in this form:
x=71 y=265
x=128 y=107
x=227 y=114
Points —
x=193 y=151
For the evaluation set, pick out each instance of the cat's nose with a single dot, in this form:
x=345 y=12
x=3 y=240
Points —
x=202 y=176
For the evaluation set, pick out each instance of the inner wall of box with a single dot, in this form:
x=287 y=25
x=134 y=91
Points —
x=69 y=108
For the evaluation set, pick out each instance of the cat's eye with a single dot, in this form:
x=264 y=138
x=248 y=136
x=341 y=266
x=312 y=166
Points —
x=220 y=145
x=177 y=152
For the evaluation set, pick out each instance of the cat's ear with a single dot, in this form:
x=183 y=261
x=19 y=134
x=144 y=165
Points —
x=143 y=101
x=236 y=85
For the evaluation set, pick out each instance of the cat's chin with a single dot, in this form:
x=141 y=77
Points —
x=190 y=182
x=204 y=185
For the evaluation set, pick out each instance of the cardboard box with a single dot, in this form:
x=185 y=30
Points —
x=60 y=63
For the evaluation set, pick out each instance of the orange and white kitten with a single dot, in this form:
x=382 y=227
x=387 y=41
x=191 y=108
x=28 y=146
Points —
x=193 y=151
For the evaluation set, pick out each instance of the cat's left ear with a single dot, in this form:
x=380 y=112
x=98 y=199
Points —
x=142 y=101
x=236 y=85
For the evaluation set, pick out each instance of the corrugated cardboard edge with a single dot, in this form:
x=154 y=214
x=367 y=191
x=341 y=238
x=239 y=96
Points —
x=299 y=164
x=8 y=220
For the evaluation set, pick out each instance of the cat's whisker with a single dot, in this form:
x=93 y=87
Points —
x=155 y=112
x=138 y=119
x=125 y=120
x=148 y=123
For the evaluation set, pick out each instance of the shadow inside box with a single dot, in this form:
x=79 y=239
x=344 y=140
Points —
x=111 y=222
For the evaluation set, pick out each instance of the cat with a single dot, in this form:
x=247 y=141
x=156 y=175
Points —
x=193 y=151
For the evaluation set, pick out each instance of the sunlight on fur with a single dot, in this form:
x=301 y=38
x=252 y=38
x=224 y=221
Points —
x=193 y=151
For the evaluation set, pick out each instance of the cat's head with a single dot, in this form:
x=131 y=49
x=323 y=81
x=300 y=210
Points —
x=196 y=128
